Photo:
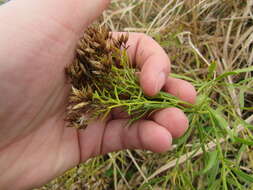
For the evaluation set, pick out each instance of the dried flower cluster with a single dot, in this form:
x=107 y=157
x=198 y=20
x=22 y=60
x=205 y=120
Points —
x=97 y=54
x=103 y=78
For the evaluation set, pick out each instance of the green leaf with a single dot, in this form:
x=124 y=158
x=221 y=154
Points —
x=247 y=108
x=116 y=93
x=243 y=141
x=241 y=97
x=211 y=70
x=182 y=77
x=184 y=138
x=240 y=153
x=212 y=161
x=235 y=72
x=224 y=75
x=220 y=121
x=242 y=175
x=244 y=70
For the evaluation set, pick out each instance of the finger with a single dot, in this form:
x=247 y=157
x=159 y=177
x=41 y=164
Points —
x=173 y=119
x=142 y=134
x=73 y=15
x=149 y=56
x=90 y=140
x=181 y=89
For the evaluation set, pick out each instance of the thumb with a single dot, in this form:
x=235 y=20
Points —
x=74 y=15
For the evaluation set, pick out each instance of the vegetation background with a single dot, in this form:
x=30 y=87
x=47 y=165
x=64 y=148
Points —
x=210 y=43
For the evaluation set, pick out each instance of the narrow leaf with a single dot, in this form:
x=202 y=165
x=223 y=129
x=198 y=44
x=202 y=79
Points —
x=243 y=175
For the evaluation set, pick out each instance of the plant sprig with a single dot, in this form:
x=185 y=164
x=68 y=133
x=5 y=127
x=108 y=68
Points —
x=103 y=79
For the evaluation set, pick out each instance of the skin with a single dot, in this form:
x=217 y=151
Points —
x=38 y=39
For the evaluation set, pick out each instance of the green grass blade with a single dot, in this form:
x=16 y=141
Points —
x=242 y=175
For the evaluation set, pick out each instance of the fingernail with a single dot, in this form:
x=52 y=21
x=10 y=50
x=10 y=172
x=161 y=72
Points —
x=160 y=81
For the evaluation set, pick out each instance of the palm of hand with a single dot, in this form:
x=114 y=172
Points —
x=33 y=133
x=34 y=142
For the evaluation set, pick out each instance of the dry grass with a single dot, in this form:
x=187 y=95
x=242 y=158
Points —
x=204 y=39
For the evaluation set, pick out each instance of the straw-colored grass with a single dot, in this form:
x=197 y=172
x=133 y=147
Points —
x=210 y=43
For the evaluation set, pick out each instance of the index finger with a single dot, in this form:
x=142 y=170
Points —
x=150 y=57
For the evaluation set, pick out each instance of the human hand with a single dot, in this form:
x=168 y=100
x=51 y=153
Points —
x=38 y=39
